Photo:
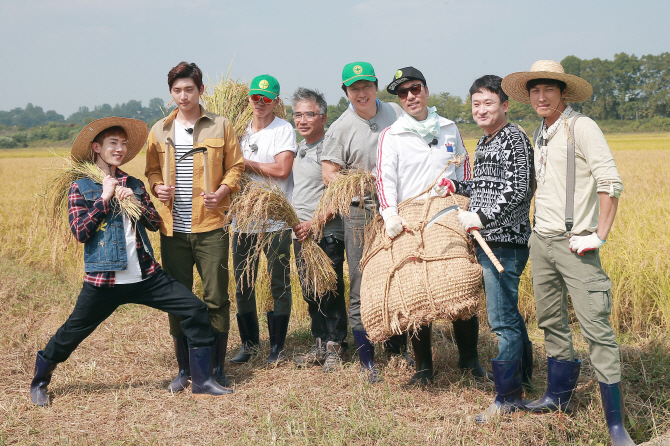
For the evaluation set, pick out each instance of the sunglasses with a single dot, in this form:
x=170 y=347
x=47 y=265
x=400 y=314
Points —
x=414 y=89
x=258 y=98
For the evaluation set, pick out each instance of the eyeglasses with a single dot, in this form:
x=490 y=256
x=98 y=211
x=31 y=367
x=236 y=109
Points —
x=258 y=98
x=307 y=115
x=414 y=89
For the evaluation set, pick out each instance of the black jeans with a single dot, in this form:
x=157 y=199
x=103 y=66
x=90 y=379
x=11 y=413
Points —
x=160 y=291
x=329 y=312
x=278 y=254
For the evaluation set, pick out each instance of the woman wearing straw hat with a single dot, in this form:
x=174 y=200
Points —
x=578 y=188
x=119 y=262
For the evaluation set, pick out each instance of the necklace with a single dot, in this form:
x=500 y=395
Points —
x=489 y=137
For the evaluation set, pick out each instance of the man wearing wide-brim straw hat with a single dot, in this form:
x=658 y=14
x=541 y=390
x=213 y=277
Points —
x=578 y=188
x=118 y=258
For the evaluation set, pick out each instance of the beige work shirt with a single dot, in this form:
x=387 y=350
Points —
x=226 y=166
x=595 y=171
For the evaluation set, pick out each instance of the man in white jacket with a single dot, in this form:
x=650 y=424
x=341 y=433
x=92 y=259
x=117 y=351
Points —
x=411 y=154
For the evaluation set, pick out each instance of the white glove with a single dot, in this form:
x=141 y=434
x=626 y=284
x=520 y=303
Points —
x=443 y=188
x=582 y=244
x=469 y=221
x=395 y=225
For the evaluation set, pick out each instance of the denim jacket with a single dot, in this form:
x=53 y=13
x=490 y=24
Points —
x=100 y=225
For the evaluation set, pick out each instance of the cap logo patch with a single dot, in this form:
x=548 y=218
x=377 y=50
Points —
x=398 y=74
x=358 y=69
x=263 y=84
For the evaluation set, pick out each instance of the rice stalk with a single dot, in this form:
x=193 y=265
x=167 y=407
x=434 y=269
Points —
x=57 y=188
x=257 y=209
x=348 y=185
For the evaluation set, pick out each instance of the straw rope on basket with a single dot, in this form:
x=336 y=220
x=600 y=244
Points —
x=421 y=275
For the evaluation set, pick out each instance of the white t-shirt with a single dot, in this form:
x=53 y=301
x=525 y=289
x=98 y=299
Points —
x=183 y=188
x=133 y=273
x=262 y=147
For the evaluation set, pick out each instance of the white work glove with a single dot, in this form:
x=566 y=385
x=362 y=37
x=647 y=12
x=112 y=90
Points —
x=469 y=221
x=395 y=225
x=443 y=188
x=582 y=244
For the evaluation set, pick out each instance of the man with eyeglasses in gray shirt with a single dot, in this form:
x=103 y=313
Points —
x=328 y=312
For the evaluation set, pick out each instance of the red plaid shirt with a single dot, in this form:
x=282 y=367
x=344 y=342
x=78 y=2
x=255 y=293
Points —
x=85 y=220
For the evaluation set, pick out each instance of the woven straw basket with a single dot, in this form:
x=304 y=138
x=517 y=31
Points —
x=420 y=276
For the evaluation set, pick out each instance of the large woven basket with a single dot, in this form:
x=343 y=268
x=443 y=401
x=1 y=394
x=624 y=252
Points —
x=420 y=276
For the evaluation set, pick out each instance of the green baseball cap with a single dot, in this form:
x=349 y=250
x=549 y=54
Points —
x=358 y=71
x=266 y=85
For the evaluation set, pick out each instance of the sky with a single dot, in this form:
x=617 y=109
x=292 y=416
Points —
x=64 y=54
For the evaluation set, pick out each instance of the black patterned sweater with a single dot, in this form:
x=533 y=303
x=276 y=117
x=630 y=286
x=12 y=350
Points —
x=500 y=189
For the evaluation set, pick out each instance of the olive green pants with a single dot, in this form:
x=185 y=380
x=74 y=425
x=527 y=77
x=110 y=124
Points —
x=208 y=251
x=557 y=271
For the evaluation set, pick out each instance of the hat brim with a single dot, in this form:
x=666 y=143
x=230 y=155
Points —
x=360 y=77
x=393 y=86
x=266 y=93
x=514 y=85
x=136 y=130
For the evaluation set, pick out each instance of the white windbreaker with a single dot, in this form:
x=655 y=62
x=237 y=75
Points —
x=406 y=164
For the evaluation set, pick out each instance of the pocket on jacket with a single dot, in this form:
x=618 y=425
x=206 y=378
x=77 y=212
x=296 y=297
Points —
x=214 y=149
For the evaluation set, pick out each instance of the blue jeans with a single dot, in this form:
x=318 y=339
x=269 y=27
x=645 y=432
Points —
x=502 y=300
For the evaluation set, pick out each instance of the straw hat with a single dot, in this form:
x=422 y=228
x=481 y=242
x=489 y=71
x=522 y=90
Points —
x=136 y=130
x=514 y=85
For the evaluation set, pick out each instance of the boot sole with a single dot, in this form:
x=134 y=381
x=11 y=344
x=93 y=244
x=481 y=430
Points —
x=207 y=395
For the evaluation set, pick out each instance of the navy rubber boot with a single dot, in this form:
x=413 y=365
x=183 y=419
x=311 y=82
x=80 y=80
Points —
x=366 y=354
x=219 y=359
x=507 y=380
x=612 y=398
x=202 y=382
x=561 y=383
x=249 y=332
x=421 y=344
x=277 y=327
x=38 y=387
x=181 y=382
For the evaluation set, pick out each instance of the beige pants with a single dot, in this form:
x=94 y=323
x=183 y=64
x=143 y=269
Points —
x=556 y=272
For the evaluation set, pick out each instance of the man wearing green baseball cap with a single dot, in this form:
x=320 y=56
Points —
x=351 y=143
x=268 y=147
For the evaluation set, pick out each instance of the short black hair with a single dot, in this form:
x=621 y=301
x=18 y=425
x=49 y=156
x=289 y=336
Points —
x=490 y=82
x=344 y=87
x=535 y=82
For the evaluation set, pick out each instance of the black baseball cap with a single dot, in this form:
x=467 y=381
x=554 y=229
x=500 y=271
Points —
x=404 y=75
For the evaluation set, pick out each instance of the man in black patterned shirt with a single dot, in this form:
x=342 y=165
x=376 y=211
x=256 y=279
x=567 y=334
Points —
x=500 y=194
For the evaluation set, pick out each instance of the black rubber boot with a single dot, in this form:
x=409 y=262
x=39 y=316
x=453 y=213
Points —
x=38 y=387
x=466 y=333
x=219 y=359
x=248 y=325
x=561 y=383
x=181 y=382
x=277 y=327
x=612 y=398
x=421 y=344
x=397 y=346
x=527 y=366
x=507 y=379
x=203 y=384
x=366 y=354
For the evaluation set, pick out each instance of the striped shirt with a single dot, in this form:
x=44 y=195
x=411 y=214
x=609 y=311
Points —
x=183 y=190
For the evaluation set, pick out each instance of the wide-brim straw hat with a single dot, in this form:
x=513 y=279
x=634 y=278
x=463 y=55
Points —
x=514 y=85
x=136 y=130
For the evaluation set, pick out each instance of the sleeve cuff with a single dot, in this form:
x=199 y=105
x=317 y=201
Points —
x=485 y=220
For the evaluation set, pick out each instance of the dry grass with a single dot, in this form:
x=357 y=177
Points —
x=111 y=391
x=259 y=206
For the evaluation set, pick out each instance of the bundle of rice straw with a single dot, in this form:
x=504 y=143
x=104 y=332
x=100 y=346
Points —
x=55 y=199
x=260 y=205
x=348 y=185
x=229 y=98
